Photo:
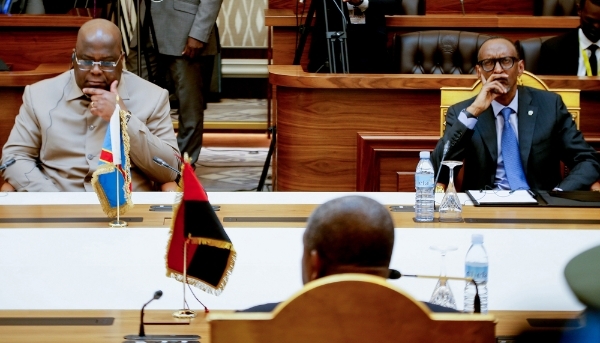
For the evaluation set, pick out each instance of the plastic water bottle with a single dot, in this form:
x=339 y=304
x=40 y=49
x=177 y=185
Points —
x=424 y=201
x=476 y=266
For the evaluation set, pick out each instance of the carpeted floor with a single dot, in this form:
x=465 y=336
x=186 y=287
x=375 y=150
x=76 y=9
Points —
x=233 y=169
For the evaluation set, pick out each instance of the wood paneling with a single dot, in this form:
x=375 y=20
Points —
x=513 y=7
x=512 y=26
x=319 y=116
x=381 y=155
x=36 y=47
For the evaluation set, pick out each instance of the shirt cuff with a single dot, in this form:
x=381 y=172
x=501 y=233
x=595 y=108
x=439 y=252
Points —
x=468 y=122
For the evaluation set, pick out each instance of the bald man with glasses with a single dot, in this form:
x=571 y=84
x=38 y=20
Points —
x=514 y=137
x=59 y=131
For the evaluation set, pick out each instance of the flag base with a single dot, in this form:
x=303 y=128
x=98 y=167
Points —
x=118 y=223
x=184 y=314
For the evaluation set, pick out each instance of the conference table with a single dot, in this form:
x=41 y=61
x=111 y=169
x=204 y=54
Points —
x=60 y=259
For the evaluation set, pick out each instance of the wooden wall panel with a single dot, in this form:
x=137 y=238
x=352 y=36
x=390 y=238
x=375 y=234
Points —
x=380 y=155
x=512 y=7
x=316 y=141
x=319 y=116
x=25 y=49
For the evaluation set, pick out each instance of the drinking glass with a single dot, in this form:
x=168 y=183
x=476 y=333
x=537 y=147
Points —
x=450 y=207
x=442 y=294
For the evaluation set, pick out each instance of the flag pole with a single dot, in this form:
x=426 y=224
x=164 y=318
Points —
x=118 y=222
x=185 y=312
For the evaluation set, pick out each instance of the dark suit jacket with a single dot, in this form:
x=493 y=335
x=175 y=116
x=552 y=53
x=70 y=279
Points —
x=546 y=136
x=560 y=55
x=271 y=306
x=367 y=43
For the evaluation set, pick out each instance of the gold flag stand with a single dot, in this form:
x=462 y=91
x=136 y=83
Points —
x=117 y=222
x=185 y=312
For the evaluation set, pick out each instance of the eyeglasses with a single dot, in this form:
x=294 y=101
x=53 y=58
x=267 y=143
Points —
x=103 y=65
x=505 y=62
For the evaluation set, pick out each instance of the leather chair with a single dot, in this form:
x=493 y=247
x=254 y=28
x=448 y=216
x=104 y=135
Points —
x=555 y=7
x=529 y=50
x=413 y=7
x=436 y=52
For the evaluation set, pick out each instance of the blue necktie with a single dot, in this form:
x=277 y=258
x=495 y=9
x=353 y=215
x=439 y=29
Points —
x=511 y=155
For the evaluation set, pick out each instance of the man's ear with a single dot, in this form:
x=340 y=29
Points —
x=316 y=266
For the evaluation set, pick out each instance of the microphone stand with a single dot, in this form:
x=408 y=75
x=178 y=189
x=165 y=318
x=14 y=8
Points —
x=160 y=338
x=334 y=37
x=394 y=274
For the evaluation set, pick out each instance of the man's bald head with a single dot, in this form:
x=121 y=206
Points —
x=348 y=234
x=98 y=40
x=99 y=30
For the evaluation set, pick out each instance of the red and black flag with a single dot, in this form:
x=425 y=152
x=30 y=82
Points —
x=198 y=235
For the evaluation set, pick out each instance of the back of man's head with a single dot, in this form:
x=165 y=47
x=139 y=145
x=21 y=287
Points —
x=348 y=234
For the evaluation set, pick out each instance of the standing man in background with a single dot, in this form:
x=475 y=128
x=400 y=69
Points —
x=186 y=35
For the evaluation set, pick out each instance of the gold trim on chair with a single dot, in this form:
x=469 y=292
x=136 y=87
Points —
x=453 y=95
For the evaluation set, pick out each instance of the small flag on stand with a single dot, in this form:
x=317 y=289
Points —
x=210 y=255
x=112 y=179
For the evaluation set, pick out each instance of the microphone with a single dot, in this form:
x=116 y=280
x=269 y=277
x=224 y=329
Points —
x=7 y=164
x=162 y=163
x=395 y=274
x=444 y=152
x=157 y=295
x=160 y=338
x=462 y=4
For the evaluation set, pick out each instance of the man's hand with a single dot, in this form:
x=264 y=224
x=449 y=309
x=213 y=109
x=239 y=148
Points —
x=492 y=88
x=104 y=103
x=192 y=48
x=7 y=187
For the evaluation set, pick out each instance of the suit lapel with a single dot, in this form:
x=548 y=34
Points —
x=486 y=125
x=527 y=116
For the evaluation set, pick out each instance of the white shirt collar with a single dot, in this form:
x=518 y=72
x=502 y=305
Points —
x=584 y=41
x=514 y=104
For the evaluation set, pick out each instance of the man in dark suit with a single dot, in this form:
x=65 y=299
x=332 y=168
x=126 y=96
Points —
x=514 y=137
x=366 y=32
x=576 y=52
x=187 y=43
x=351 y=234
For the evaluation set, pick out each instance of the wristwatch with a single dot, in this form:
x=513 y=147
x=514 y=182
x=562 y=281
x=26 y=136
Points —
x=469 y=114
x=127 y=115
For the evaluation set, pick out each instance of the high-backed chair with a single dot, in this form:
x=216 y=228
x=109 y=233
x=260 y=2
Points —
x=349 y=308
x=453 y=95
x=529 y=50
x=555 y=7
x=436 y=52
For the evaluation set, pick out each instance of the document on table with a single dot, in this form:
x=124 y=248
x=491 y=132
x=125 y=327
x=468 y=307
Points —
x=502 y=197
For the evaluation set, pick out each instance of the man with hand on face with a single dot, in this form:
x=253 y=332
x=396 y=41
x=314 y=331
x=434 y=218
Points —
x=514 y=137
x=576 y=52
x=58 y=134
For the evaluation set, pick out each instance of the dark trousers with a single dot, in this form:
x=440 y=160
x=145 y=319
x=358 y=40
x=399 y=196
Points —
x=189 y=80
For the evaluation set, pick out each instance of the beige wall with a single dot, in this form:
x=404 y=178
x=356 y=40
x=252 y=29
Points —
x=242 y=24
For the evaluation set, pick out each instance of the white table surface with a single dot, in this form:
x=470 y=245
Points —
x=104 y=268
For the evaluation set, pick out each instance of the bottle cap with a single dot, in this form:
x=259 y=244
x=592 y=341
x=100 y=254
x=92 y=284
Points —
x=477 y=239
x=424 y=154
